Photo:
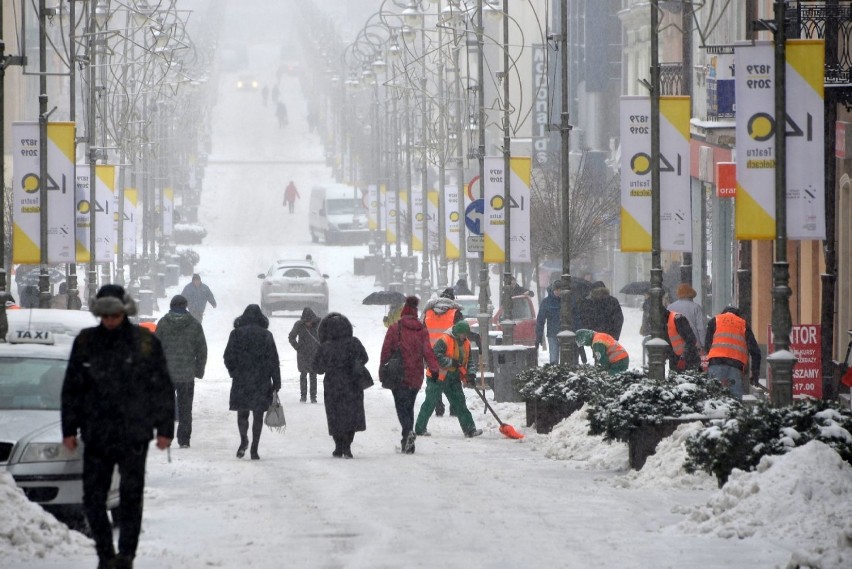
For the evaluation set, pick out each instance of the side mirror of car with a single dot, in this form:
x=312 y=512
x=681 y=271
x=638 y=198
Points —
x=261 y=276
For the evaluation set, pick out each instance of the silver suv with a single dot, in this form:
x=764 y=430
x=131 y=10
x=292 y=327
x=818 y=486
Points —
x=293 y=285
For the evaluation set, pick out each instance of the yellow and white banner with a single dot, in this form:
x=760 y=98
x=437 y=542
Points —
x=105 y=209
x=392 y=213
x=452 y=221
x=635 y=131
x=675 y=198
x=26 y=206
x=432 y=220
x=755 y=96
x=383 y=209
x=373 y=207
x=519 y=207
x=805 y=139
x=418 y=217
x=168 y=211
x=131 y=197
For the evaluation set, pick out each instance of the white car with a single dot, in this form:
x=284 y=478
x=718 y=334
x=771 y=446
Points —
x=293 y=285
x=32 y=370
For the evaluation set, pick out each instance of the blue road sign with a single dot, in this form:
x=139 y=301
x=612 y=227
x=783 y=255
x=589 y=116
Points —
x=473 y=216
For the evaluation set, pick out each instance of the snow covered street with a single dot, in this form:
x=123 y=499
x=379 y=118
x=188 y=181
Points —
x=563 y=500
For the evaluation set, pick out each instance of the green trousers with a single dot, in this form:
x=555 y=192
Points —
x=452 y=388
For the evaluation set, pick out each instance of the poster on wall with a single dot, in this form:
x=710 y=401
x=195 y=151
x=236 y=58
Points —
x=805 y=343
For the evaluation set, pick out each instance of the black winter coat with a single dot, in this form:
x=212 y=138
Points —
x=182 y=337
x=304 y=337
x=342 y=394
x=252 y=361
x=117 y=389
x=602 y=313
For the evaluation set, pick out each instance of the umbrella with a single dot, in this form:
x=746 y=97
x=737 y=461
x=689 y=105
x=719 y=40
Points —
x=636 y=287
x=31 y=278
x=382 y=297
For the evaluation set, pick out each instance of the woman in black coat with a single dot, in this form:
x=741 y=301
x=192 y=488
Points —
x=252 y=361
x=304 y=339
x=338 y=353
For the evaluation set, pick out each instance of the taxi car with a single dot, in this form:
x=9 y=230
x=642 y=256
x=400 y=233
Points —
x=32 y=370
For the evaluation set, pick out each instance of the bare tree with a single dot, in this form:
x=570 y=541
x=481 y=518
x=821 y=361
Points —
x=594 y=207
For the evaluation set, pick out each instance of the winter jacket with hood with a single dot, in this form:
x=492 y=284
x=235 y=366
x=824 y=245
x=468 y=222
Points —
x=602 y=313
x=304 y=337
x=417 y=352
x=117 y=390
x=342 y=394
x=182 y=337
x=252 y=361
x=751 y=345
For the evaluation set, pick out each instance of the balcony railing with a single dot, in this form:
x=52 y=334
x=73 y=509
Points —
x=671 y=79
x=833 y=23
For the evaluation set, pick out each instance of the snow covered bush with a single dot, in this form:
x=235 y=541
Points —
x=635 y=399
x=188 y=260
x=747 y=434
x=189 y=233
x=556 y=383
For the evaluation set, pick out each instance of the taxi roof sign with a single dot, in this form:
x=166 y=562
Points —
x=29 y=336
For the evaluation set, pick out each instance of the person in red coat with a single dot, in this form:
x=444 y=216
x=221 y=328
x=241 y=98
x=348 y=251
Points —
x=417 y=355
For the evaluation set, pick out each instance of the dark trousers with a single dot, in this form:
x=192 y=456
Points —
x=303 y=384
x=256 y=427
x=185 y=391
x=98 y=466
x=403 y=399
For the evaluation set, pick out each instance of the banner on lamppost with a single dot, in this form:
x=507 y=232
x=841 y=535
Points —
x=805 y=139
x=452 y=221
x=383 y=209
x=675 y=201
x=131 y=197
x=105 y=209
x=635 y=131
x=26 y=207
x=418 y=217
x=372 y=207
x=168 y=211
x=519 y=207
x=391 y=199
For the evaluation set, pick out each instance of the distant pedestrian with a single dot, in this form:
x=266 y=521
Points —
x=339 y=355
x=602 y=311
x=291 y=194
x=304 y=337
x=281 y=113
x=186 y=353
x=264 y=93
x=731 y=347
x=517 y=289
x=60 y=299
x=548 y=322
x=411 y=337
x=686 y=305
x=252 y=361
x=198 y=295
x=608 y=353
x=454 y=367
x=461 y=288
x=117 y=394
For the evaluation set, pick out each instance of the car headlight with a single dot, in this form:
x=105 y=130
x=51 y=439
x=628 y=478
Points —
x=254 y=84
x=239 y=84
x=49 y=452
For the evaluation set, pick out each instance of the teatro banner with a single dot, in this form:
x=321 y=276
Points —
x=675 y=199
x=391 y=214
x=417 y=220
x=635 y=131
x=105 y=209
x=26 y=210
x=519 y=206
x=452 y=221
x=373 y=207
x=432 y=221
x=130 y=228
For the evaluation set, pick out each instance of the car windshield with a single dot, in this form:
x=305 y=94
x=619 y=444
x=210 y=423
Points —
x=344 y=206
x=469 y=307
x=31 y=383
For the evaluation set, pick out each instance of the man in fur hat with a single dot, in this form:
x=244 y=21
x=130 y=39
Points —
x=117 y=394
x=686 y=305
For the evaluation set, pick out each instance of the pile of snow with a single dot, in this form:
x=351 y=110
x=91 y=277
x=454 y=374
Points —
x=26 y=530
x=803 y=497
x=664 y=469
x=570 y=440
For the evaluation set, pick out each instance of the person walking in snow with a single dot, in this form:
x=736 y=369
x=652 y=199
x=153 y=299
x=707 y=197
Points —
x=304 y=337
x=185 y=347
x=252 y=361
x=291 y=194
x=602 y=311
x=197 y=295
x=117 y=394
x=339 y=354
x=453 y=353
x=281 y=113
x=608 y=353
x=411 y=337
x=549 y=321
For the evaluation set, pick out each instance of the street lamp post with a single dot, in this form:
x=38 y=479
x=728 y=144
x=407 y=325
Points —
x=484 y=316
x=43 y=279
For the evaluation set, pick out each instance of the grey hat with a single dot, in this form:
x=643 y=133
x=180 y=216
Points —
x=178 y=301
x=112 y=299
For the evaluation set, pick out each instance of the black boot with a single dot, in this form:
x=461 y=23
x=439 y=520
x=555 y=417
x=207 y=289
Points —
x=123 y=562
x=338 y=448
x=254 y=455
x=347 y=445
x=241 y=451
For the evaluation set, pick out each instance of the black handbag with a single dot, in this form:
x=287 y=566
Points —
x=365 y=378
x=392 y=372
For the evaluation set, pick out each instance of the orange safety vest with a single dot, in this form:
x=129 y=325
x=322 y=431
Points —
x=614 y=351
x=678 y=343
x=453 y=352
x=729 y=341
x=437 y=324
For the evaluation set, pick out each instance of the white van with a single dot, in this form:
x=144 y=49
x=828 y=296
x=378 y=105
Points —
x=338 y=214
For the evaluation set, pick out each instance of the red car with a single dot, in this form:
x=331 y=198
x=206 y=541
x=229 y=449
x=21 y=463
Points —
x=523 y=313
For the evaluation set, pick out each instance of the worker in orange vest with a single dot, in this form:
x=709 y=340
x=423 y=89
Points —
x=439 y=315
x=608 y=353
x=453 y=352
x=731 y=347
x=684 y=352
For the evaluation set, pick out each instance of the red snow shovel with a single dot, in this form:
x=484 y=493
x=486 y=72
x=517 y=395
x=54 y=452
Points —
x=505 y=428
